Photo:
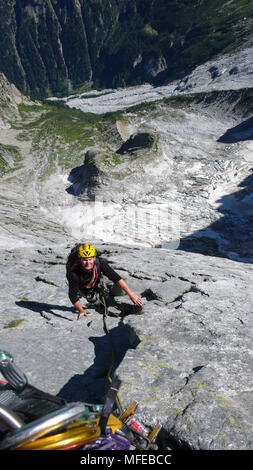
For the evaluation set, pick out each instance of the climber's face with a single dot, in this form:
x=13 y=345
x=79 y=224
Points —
x=88 y=263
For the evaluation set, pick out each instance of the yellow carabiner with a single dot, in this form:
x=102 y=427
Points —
x=129 y=411
x=70 y=439
x=153 y=435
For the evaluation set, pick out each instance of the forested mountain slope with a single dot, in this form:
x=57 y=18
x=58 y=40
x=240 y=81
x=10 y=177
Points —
x=56 y=46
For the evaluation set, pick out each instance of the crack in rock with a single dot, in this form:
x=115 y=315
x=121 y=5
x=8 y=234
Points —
x=40 y=279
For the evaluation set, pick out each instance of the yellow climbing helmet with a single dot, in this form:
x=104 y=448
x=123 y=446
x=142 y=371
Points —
x=86 y=251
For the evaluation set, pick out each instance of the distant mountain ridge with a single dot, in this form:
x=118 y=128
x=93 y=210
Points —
x=52 y=47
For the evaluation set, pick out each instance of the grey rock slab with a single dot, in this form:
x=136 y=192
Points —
x=186 y=357
x=167 y=291
x=68 y=359
x=196 y=359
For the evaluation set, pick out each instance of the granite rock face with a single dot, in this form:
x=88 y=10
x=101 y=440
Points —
x=195 y=353
x=186 y=357
x=190 y=345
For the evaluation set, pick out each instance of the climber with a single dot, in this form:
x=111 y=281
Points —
x=84 y=271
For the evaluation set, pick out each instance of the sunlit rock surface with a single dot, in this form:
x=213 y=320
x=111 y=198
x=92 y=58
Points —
x=186 y=356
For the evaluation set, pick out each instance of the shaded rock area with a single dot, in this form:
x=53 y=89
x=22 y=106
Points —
x=85 y=178
x=244 y=131
x=137 y=141
x=231 y=235
x=186 y=357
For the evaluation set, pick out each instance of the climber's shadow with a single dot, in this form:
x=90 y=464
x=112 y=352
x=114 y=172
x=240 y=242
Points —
x=91 y=386
x=41 y=307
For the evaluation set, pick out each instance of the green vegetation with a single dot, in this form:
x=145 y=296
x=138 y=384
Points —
x=56 y=120
x=185 y=34
x=13 y=323
x=112 y=159
x=10 y=158
x=58 y=133
x=60 y=136
x=55 y=47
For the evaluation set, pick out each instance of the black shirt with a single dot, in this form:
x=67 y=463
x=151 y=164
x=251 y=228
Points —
x=79 y=278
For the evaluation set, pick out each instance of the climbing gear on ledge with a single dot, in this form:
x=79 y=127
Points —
x=11 y=372
x=109 y=402
x=44 y=425
x=24 y=425
x=69 y=439
x=138 y=434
